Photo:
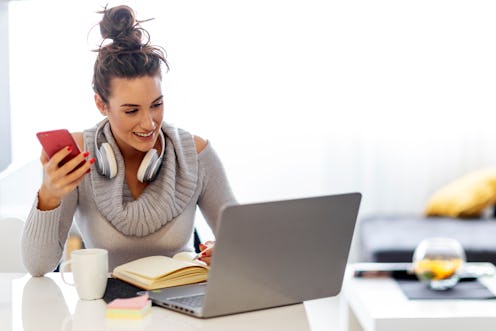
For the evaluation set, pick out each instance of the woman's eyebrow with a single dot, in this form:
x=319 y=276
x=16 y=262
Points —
x=133 y=105
x=129 y=105
x=160 y=97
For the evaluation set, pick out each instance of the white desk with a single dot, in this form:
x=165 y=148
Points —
x=46 y=303
x=380 y=305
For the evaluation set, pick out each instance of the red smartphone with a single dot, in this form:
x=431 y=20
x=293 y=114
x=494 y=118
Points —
x=54 y=141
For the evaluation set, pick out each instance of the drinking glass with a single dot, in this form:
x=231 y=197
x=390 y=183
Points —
x=438 y=261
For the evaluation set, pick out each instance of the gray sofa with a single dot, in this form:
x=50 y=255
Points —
x=394 y=238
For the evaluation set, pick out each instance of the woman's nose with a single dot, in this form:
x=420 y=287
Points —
x=147 y=122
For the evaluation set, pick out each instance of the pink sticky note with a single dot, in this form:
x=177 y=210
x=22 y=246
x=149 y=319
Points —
x=131 y=303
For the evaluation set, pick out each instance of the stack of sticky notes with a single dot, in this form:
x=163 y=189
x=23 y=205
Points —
x=131 y=308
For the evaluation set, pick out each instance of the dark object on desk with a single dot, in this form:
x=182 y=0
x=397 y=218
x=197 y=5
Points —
x=395 y=274
x=118 y=289
x=385 y=270
x=467 y=289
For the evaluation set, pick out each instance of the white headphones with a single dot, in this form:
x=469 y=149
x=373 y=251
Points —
x=106 y=163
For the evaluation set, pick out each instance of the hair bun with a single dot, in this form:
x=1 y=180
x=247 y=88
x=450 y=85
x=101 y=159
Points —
x=120 y=25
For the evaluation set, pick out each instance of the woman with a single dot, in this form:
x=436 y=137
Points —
x=140 y=197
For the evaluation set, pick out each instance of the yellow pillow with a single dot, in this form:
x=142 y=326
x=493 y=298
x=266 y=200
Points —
x=465 y=197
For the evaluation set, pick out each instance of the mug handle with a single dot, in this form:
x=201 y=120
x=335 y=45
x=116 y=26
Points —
x=61 y=269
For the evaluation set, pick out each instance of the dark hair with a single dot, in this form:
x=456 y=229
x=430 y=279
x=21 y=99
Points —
x=128 y=55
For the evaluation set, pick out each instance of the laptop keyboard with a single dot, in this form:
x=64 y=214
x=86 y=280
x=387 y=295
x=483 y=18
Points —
x=195 y=301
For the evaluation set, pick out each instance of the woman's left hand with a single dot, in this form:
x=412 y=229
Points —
x=208 y=248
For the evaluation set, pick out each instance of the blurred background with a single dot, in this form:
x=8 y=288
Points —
x=299 y=98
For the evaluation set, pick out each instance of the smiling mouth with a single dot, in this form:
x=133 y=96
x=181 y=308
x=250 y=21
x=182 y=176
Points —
x=144 y=135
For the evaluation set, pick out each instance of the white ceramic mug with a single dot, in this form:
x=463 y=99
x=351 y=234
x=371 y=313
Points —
x=90 y=270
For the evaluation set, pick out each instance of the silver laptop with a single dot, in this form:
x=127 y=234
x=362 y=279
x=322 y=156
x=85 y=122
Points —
x=272 y=254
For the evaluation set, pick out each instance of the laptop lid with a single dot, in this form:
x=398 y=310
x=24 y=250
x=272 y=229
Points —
x=276 y=253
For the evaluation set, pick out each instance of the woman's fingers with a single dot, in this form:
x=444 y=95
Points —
x=207 y=251
x=44 y=157
x=207 y=244
x=59 y=181
x=59 y=156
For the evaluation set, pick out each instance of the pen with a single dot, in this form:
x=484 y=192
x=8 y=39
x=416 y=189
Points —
x=197 y=256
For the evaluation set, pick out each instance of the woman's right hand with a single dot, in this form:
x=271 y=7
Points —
x=60 y=181
x=207 y=251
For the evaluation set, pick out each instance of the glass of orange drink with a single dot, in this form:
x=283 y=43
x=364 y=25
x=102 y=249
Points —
x=438 y=261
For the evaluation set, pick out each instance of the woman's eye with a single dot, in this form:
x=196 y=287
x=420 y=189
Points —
x=157 y=105
x=131 y=111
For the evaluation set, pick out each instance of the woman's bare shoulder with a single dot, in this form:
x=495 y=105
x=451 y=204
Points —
x=200 y=143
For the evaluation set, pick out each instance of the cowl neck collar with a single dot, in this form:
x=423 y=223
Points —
x=162 y=200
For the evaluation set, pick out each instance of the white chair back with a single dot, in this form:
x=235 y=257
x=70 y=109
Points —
x=10 y=245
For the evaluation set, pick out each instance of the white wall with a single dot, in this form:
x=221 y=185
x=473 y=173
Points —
x=5 y=137
x=390 y=98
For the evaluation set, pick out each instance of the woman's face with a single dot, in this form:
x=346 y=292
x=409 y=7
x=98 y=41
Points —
x=135 y=111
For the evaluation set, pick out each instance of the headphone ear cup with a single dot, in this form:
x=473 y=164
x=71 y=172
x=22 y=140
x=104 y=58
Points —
x=106 y=163
x=149 y=166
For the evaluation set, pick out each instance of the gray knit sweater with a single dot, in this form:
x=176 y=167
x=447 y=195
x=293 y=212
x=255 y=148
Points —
x=159 y=222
